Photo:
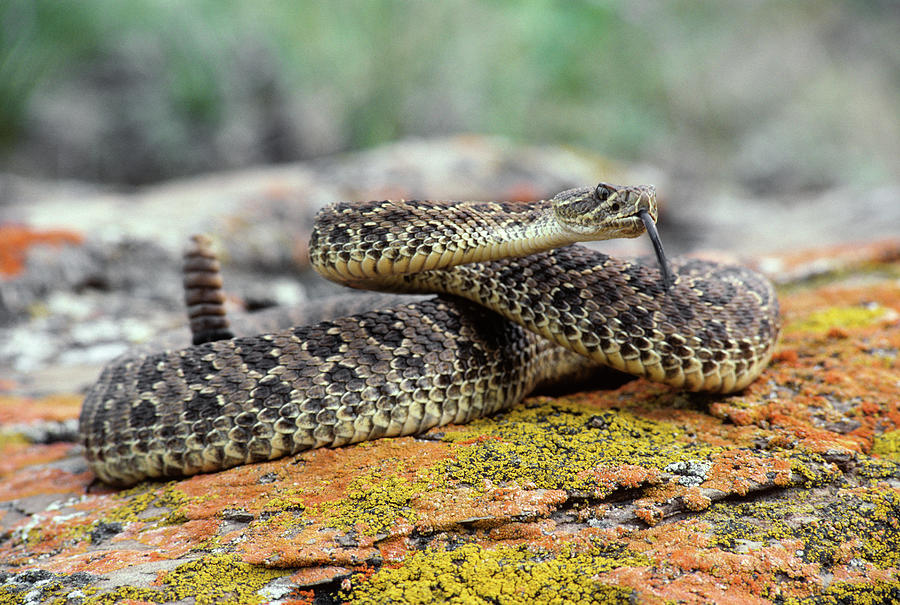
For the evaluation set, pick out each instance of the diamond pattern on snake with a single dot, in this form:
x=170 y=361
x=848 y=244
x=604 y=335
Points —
x=519 y=304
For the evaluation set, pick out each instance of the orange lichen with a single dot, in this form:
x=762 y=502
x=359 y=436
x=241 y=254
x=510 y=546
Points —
x=395 y=549
x=15 y=240
x=739 y=471
x=679 y=588
x=831 y=394
x=26 y=410
x=624 y=476
x=649 y=515
x=308 y=576
x=695 y=500
x=693 y=565
x=102 y=562
x=20 y=455
x=176 y=540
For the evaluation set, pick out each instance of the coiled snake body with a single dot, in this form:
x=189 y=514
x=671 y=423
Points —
x=401 y=370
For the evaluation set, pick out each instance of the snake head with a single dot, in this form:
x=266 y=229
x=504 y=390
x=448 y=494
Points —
x=610 y=211
x=605 y=211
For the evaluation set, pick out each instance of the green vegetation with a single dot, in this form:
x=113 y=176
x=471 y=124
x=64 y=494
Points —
x=144 y=90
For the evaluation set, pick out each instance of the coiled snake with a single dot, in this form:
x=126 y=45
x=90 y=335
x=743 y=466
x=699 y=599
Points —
x=401 y=370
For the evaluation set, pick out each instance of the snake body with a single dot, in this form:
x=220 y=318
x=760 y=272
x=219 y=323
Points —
x=538 y=308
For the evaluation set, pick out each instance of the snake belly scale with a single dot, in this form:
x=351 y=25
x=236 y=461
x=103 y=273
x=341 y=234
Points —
x=519 y=306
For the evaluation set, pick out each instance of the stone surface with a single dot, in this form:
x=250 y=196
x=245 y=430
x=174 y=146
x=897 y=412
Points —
x=787 y=492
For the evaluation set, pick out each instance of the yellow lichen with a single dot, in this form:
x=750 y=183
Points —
x=863 y=521
x=841 y=317
x=286 y=501
x=875 y=469
x=551 y=444
x=9 y=598
x=811 y=470
x=888 y=445
x=547 y=444
x=146 y=502
x=51 y=589
x=146 y=497
x=217 y=579
x=9 y=440
x=845 y=593
x=505 y=575
x=373 y=504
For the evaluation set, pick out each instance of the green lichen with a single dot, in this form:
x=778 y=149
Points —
x=550 y=443
x=888 y=445
x=839 y=317
x=216 y=579
x=506 y=575
x=864 y=520
x=373 y=504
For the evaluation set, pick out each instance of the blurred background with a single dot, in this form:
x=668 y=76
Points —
x=771 y=96
x=769 y=126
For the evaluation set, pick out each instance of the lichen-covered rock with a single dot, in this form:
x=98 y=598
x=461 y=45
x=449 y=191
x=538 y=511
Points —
x=788 y=492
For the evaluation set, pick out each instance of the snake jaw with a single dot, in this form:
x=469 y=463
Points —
x=664 y=268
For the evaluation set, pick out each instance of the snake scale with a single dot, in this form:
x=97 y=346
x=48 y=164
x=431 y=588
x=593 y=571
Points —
x=519 y=305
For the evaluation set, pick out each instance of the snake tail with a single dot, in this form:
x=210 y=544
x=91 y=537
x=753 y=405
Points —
x=203 y=294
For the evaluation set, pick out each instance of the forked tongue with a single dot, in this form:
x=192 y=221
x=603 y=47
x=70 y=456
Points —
x=650 y=226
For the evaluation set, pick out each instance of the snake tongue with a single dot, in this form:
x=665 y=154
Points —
x=650 y=226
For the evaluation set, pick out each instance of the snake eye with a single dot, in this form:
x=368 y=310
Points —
x=602 y=192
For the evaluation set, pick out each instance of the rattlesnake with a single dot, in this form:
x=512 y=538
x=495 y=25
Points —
x=545 y=309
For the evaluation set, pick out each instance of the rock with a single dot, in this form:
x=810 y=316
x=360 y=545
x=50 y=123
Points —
x=788 y=491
